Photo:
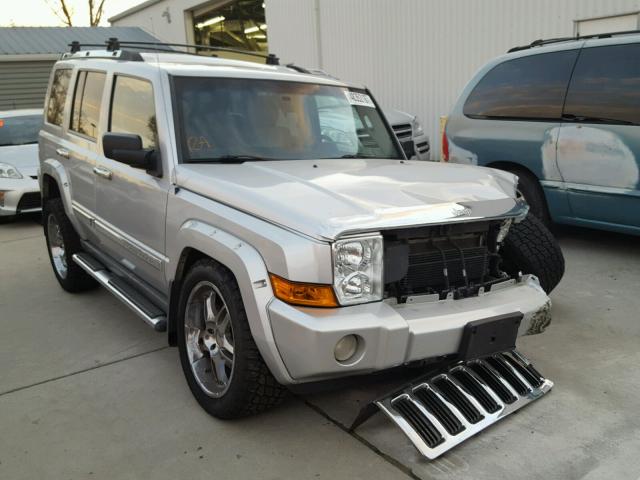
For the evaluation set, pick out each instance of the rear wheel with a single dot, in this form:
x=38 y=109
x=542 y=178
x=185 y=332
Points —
x=531 y=248
x=62 y=243
x=219 y=357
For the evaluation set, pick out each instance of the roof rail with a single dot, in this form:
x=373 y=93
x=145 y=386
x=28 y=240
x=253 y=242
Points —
x=540 y=42
x=114 y=44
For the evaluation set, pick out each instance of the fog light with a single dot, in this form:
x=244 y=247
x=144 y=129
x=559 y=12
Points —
x=346 y=348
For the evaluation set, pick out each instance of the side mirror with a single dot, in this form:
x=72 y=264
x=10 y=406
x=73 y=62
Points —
x=127 y=148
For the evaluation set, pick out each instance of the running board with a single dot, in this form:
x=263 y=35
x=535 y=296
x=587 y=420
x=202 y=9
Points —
x=442 y=410
x=145 y=309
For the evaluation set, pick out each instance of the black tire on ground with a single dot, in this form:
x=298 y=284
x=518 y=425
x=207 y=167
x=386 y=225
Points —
x=252 y=388
x=529 y=187
x=76 y=279
x=531 y=248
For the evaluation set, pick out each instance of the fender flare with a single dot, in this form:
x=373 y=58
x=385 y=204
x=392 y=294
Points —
x=250 y=271
x=55 y=170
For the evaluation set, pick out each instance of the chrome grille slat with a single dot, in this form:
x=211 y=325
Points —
x=441 y=420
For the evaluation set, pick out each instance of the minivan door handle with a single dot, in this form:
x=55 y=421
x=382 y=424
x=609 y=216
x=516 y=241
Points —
x=103 y=172
x=63 y=152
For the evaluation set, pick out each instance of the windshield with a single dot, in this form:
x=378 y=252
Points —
x=19 y=130
x=248 y=119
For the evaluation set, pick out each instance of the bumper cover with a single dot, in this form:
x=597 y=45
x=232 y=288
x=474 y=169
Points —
x=13 y=190
x=391 y=335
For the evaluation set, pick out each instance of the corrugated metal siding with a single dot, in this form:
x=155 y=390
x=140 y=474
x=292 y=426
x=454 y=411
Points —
x=417 y=55
x=23 y=84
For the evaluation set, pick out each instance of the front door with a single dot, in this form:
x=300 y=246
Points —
x=598 y=151
x=130 y=203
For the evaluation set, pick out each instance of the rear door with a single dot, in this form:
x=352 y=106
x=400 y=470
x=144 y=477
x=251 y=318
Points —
x=599 y=144
x=80 y=146
x=131 y=203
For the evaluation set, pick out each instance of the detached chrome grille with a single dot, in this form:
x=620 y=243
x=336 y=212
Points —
x=444 y=410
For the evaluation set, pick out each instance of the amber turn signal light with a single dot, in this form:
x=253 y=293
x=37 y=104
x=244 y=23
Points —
x=305 y=294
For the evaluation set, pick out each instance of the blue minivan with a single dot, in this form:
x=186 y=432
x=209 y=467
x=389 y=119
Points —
x=563 y=115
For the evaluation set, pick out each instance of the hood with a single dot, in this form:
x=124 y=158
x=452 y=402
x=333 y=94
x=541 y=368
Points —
x=326 y=199
x=23 y=157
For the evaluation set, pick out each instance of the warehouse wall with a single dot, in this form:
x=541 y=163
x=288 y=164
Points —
x=23 y=84
x=417 y=55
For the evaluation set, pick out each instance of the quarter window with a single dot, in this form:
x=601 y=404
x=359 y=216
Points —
x=531 y=87
x=58 y=96
x=85 y=115
x=133 y=111
x=606 y=84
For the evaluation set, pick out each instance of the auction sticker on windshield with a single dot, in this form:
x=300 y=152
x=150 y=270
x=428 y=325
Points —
x=359 y=99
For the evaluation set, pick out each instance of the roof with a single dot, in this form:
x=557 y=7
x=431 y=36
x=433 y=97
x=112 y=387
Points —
x=56 y=40
x=132 y=10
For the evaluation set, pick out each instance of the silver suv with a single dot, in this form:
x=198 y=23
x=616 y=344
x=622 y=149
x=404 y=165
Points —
x=268 y=220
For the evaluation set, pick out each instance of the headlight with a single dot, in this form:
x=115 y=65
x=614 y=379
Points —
x=416 y=126
x=9 y=171
x=357 y=270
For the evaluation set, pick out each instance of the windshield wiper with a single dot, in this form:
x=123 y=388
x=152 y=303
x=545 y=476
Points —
x=570 y=117
x=230 y=159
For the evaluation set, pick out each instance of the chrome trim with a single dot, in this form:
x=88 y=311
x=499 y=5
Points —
x=63 y=152
x=103 y=276
x=387 y=406
x=140 y=250
x=581 y=187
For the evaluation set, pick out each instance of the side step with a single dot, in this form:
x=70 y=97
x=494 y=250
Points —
x=444 y=409
x=146 y=310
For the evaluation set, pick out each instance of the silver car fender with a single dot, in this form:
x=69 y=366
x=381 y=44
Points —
x=252 y=277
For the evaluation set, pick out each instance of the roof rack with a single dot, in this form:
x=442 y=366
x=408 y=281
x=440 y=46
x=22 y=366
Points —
x=541 y=42
x=113 y=45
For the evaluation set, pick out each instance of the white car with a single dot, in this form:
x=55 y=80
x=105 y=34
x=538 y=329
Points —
x=19 y=189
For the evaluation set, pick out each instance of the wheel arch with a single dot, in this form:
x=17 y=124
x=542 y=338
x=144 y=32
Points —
x=196 y=240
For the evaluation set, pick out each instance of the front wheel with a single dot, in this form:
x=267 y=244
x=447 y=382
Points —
x=531 y=248
x=219 y=357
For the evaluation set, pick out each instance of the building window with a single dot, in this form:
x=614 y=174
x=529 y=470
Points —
x=240 y=25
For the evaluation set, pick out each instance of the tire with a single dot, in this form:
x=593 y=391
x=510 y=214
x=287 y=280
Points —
x=531 y=248
x=61 y=246
x=529 y=187
x=250 y=388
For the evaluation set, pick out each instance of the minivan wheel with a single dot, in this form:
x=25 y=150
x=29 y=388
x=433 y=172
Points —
x=531 y=248
x=529 y=188
x=219 y=357
x=62 y=243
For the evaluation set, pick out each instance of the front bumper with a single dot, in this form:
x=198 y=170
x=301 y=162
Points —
x=422 y=147
x=391 y=335
x=14 y=190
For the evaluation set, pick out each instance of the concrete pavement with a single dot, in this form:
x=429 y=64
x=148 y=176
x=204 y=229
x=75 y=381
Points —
x=89 y=391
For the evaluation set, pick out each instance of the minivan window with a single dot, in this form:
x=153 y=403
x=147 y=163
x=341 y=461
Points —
x=606 y=84
x=133 y=110
x=58 y=96
x=531 y=87
x=19 y=130
x=87 y=97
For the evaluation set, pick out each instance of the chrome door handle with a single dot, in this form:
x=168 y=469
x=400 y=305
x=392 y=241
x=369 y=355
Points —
x=63 y=152
x=103 y=172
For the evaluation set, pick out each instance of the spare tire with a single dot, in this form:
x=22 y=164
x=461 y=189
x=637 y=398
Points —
x=531 y=248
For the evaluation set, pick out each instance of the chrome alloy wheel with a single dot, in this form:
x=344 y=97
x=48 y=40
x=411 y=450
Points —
x=56 y=247
x=209 y=339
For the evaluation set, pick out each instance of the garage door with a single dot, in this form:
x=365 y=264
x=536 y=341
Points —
x=23 y=84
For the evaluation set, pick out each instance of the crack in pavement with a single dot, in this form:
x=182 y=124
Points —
x=84 y=370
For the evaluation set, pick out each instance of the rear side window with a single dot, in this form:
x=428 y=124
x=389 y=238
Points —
x=133 y=110
x=530 y=87
x=606 y=84
x=85 y=114
x=58 y=96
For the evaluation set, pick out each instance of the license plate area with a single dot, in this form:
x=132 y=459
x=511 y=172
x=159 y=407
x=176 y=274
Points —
x=485 y=337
